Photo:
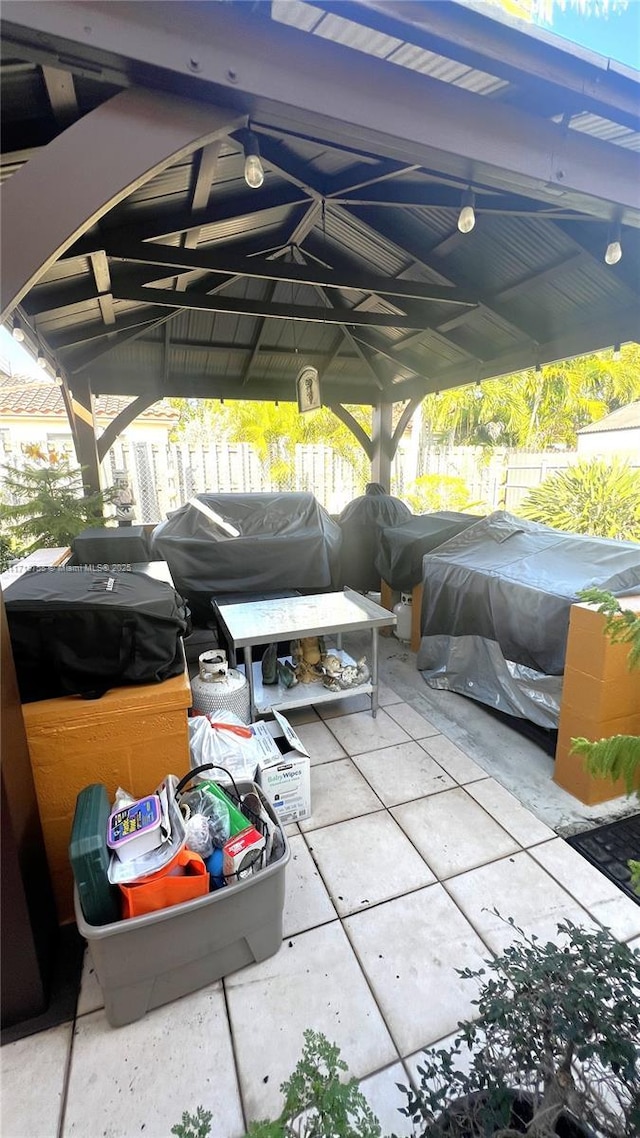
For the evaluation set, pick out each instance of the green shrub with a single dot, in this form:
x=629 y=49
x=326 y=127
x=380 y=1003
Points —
x=44 y=504
x=592 y=497
x=432 y=492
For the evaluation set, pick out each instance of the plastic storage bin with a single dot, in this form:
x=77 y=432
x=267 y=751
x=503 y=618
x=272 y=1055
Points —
x=148 y=961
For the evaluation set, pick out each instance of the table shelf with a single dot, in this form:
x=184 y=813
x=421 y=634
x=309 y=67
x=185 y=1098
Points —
x=270 y=696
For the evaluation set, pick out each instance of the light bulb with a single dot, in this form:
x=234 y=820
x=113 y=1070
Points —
x=253 y=172
x=58 y=378
x=467 y=219
x=17 y=332
x=41 y=358
x=467 y=216
x=613 y=253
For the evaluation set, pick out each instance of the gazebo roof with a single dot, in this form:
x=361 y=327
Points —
x=372 y=119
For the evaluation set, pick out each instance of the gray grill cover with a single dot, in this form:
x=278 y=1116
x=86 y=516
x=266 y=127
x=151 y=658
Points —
x=402 y=547
x=361 y=523
x=285 y=541
x=496 y=608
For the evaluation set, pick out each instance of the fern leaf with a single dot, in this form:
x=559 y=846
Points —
x=617 y=757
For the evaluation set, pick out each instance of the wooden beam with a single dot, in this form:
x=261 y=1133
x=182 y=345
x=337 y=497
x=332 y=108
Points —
x=119 y=147
x=255 y=347
x=173 y=222
x=121 y=422
x=207 y=165
x=330 y=92
x=87 y=333
x=579 y=340
x=62 y=95
x=353 y=425
x=87 y=359
x=126 y=381
x=251 y=267
x=201 y=302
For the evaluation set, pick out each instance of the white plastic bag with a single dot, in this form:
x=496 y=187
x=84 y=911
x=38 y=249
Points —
x=225 y=740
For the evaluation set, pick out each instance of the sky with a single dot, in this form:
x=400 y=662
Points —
x=615 y=35
x=21 y=361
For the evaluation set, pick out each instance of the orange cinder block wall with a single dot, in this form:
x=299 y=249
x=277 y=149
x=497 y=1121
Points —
x=600 y=698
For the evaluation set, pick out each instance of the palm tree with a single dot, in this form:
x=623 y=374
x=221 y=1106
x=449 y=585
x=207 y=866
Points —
x=535 y=410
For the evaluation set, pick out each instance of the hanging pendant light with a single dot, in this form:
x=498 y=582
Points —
x=253 y=169
x=613 y=252
x=17 y=331
x=467 y=215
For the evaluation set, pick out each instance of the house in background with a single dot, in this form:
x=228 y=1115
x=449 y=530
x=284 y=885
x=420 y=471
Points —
x=617 y=435
x=32 y=411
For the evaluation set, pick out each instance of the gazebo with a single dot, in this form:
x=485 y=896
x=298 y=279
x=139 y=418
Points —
x=201 y=200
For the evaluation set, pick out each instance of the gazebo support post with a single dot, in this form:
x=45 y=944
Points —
x=382 y=445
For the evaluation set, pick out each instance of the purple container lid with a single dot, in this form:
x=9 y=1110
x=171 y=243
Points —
x=131 y=821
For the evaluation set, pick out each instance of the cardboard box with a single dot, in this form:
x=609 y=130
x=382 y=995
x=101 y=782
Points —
x=240 y=853
x=284 y=770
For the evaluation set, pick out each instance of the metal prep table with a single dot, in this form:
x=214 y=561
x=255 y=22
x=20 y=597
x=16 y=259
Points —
x=268 y=621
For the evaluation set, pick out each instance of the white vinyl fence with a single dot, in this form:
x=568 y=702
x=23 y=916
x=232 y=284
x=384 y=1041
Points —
x=164 y=476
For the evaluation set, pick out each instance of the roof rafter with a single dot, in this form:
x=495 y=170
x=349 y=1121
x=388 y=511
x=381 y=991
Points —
x=204 y=302
x=174 y=222
x=228 y=262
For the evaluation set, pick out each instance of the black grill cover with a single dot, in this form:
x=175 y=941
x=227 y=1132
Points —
x=402 y=547
x=361 y=523
x=282 y=541
x=76 y=631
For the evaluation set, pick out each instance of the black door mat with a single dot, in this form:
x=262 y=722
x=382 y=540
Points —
x=610 y=847
x=65 y=986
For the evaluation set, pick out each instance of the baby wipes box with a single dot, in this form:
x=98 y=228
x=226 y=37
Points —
x=283 y=769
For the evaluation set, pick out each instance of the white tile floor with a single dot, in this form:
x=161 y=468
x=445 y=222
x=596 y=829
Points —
x=390 y=889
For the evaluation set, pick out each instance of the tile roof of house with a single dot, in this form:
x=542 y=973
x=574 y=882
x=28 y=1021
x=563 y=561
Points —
x=27 y=395
x=624 y=419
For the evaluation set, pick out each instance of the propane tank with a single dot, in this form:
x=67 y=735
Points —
x=217 y=687
x=403 y=612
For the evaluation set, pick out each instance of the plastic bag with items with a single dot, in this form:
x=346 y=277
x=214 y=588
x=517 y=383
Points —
x=207 y=821
x=224 y=740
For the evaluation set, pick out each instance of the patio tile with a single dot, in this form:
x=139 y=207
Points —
x=338 y=792
x=141 y=1078
x=599 y=896
x=334 y=708
x=453 y=759
x=410 y=949
x=320 y=742
x=367 y=860
x=385 y=1099
x=402 y=773
x=307 y=902
x=291 y=829
x=510 y=813
x=90 y=995
x=412 y=721
x=316 y=983
x=452 y=832
x=517 y=887
x=300 y=715
x=33 y=1073
x=361 y=733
